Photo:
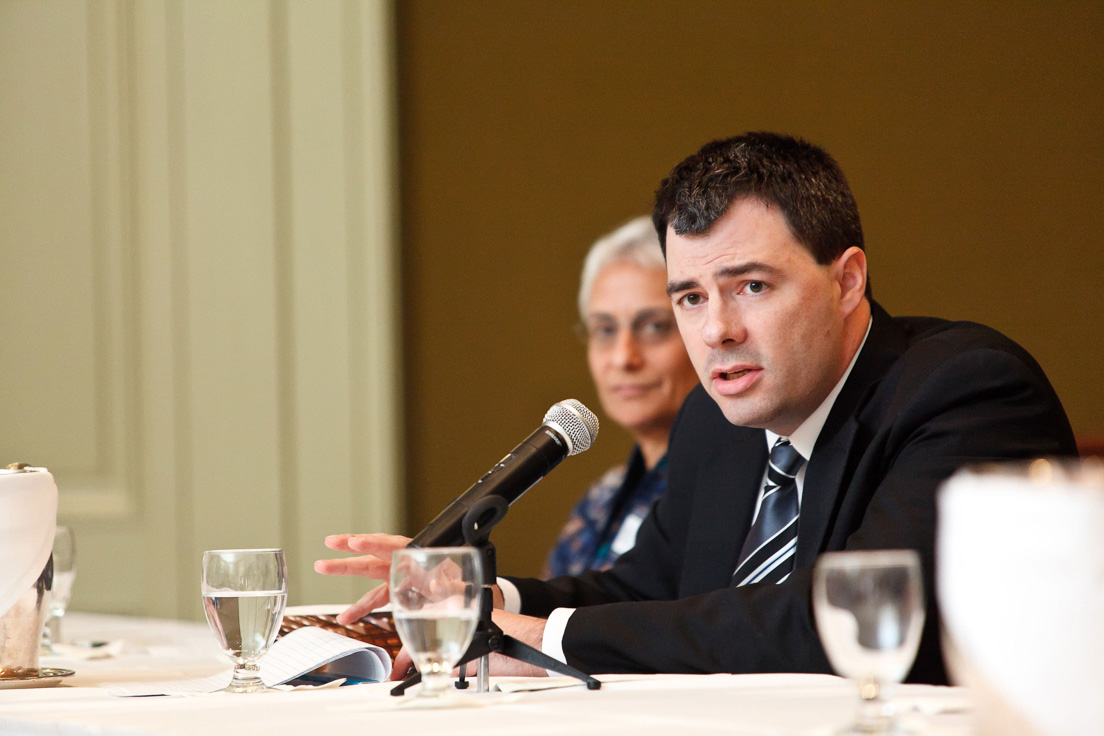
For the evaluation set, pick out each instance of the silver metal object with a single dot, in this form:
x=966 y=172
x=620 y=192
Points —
x=577 y=424
x=483 y=674
x=13 y=468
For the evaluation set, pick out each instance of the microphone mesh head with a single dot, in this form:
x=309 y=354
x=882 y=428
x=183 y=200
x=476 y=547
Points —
x=577 y=424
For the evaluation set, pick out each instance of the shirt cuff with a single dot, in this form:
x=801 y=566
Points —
x=554 y=629
x=511 y=598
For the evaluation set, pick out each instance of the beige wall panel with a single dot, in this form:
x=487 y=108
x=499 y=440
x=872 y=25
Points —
x=316 y=245
x=56 y=267
x=229 y=226
x=168 y=588
x=68 y=209
x=177 y=180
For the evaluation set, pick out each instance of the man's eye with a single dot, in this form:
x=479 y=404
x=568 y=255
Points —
x=692 y=300
x=755 y=287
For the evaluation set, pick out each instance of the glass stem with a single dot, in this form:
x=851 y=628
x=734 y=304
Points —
x=875 y=712
x=46 y=643
x=247 y=678
x=435 y=682
x=53 y=629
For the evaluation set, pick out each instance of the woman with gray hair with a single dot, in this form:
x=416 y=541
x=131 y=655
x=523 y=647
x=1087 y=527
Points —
x=642 y=373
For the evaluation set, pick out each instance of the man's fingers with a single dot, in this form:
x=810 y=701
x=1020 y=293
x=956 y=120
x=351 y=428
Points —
x=368 y=602
x=381 y=542
x=381 y=545
x=340 y=542
x=403 y=667
x=367 y=566
x=374 y=560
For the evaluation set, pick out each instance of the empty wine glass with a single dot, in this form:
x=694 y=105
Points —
x=869 y=608
x=65 y=570
x=435 y=602
x=244 y=595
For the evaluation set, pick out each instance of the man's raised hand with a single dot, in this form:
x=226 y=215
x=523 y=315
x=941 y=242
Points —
x=374 y=561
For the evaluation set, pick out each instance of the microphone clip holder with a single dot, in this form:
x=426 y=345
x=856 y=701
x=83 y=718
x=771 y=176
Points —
x=489 y=637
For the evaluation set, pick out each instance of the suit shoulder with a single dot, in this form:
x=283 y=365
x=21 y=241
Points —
x=948 y=366
x=932 y=343
x=966 y=380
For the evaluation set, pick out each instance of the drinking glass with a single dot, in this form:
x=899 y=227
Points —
x=244 y=595
x=435 y=602
x=869 y=608
x=65 y=570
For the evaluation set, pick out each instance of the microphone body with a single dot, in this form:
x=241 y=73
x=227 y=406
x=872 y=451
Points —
x=569 y=429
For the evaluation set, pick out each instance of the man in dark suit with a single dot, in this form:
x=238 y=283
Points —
x=860 y=414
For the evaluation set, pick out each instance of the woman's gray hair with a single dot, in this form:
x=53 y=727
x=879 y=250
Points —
x=634 y=242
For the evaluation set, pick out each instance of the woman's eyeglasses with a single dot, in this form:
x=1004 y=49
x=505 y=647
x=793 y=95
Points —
x=646 y=328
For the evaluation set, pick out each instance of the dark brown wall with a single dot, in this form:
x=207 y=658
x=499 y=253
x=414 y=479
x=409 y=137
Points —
x=971 y=133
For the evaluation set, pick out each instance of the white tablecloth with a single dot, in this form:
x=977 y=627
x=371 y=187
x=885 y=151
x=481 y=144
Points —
x=806 y=705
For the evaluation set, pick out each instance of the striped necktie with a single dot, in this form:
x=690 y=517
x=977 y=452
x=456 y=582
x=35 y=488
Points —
x=768 y=552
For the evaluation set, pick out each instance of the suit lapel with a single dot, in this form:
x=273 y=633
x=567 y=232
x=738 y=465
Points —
x=836 y=447
x=824 y=479
x=729 y=483
x=743 y=487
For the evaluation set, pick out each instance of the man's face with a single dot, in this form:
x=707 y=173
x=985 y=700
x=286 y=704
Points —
x=763 y=322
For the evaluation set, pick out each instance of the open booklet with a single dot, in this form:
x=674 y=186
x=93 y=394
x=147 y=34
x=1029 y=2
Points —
x=308 y=655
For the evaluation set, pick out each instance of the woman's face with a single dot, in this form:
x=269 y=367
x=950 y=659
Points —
x=634 y=350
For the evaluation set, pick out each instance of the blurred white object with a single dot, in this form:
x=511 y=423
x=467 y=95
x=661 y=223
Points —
x=1020 y=580
x=28 y=514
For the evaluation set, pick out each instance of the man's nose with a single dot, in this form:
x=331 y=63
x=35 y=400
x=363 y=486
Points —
x=723 y=326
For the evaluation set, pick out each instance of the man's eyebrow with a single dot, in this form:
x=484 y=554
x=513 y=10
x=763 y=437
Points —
x=727 y=272
x=744 y=269
x=674 y=287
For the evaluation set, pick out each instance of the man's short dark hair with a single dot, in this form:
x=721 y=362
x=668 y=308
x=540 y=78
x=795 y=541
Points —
x=801 y=179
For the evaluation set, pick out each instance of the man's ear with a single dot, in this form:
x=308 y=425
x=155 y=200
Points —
x=850 y=273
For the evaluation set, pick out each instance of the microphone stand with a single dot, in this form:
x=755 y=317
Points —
x=489 y=637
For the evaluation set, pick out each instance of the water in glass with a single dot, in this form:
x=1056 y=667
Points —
x=244 y=595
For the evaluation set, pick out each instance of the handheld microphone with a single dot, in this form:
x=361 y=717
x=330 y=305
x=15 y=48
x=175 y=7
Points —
x=569 y=428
